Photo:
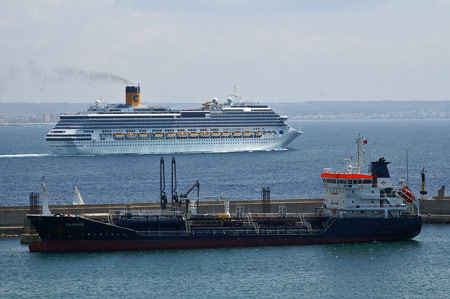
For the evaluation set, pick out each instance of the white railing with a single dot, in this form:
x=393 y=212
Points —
x=254 y=224
x=376 y=206
x=233 y=231
x=132 y=212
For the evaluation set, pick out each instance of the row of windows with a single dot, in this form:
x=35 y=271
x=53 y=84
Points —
x=134 y=123
x=159 y=142
x=225 y=124
x=169 y=130
x=335 y=181
x=154 y=115
x=133 y=118
x=66 y=126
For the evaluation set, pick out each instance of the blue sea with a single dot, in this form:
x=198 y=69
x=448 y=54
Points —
x=413 y=269
x=292 y=173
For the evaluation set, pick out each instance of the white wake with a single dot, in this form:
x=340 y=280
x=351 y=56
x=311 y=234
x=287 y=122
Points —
x=25 y=156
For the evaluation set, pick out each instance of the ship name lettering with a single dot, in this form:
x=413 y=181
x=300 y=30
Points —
x=75 y=224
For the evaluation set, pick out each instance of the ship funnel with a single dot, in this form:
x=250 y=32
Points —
x=380 y=173
x=133 y=95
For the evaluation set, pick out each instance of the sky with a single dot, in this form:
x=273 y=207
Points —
x=192 y=51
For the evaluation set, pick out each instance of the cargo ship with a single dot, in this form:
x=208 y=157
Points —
x=357 y=208
x=131 y=128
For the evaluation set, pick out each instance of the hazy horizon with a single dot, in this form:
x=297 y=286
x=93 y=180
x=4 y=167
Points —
x=189 y=51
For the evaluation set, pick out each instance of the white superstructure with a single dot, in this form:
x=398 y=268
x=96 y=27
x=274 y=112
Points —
x=352 y=194
x=129 y=129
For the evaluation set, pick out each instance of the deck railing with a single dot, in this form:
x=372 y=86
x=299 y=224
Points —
x=233 y=231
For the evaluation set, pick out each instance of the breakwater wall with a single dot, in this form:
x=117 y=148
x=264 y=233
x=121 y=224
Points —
x=435 y=211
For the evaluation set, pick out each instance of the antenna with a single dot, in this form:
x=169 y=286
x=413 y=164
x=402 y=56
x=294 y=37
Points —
x=236 y=96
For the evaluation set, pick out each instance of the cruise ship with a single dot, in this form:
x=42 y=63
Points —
x=131 y=128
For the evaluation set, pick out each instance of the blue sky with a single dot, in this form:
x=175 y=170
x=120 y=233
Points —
x=190 y=51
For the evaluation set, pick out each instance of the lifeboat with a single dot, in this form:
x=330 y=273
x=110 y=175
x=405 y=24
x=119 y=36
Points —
x=248 y=134
x=158 y=135
x=407 y=194
x=204 y=134
x=171 y=135
x=258 y=134
x=181 y=134
x=131 y=135
x=142 y=135
x=118 y=136
x=226 y=134
x=237 y=134
x=215 y=134
x=193 y=134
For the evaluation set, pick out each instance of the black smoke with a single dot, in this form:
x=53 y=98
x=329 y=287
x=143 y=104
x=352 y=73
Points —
x=73 y=73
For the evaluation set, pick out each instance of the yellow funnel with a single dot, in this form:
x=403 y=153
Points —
x=133 y=95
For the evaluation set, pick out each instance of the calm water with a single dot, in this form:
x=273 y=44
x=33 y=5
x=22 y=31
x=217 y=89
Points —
x=25 y=158
x=414 y=269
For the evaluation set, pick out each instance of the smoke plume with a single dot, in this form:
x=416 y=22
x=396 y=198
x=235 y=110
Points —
x=72 y=73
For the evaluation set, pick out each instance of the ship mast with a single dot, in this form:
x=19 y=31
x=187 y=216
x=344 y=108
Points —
x=360 y=142
x=45 y=209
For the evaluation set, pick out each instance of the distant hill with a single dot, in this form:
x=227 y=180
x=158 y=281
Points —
x=295 y=111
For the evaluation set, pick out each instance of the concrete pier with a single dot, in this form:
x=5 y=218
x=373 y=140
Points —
x=435 y=210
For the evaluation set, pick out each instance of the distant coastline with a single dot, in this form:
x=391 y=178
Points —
x=25 y=124
x=24 y=114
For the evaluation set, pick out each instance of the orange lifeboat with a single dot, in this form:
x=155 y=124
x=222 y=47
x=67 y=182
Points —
x=131 y=135
x=407 y=194
x=118 y=136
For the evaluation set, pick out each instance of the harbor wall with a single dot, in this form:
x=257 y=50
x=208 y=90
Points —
x=434 y=206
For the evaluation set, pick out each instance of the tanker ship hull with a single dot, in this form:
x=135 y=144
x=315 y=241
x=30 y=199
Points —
x=73 y=234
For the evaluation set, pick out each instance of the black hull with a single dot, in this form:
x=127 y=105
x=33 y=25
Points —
x=71 y=234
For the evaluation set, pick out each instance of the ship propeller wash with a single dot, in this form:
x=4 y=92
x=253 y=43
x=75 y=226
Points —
x=357 y=208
